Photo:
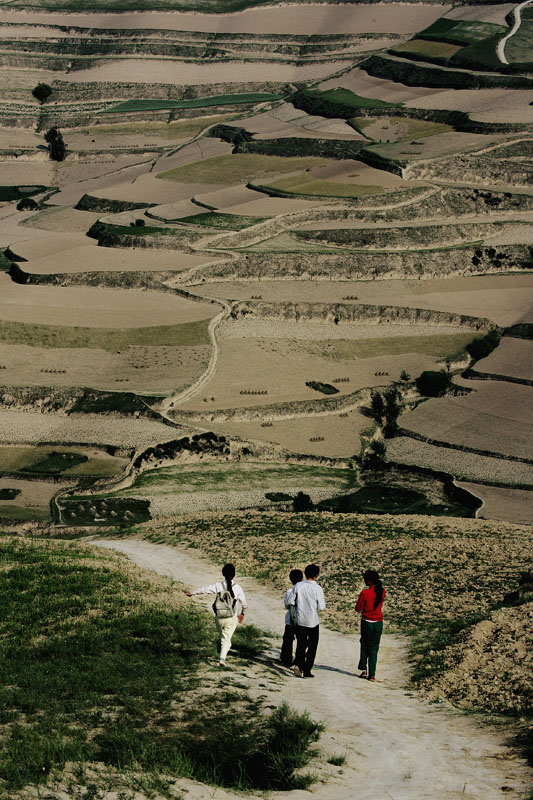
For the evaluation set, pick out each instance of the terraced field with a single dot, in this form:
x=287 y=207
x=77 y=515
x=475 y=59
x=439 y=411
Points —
x=258 y=203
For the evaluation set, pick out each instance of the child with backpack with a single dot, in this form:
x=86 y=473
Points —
x=229 y=606
x=295 y=575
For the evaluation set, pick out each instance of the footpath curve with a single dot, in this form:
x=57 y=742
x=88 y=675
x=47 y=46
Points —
x=500 y=50
x=397 y=747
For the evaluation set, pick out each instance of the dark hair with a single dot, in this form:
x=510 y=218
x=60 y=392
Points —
x=228 y=571
x=296 y=575
x=312 y=571
x=371 y=578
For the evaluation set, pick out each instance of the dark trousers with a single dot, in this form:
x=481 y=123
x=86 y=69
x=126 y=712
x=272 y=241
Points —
x=306 y=645
x=370 y=638
x=286 y=645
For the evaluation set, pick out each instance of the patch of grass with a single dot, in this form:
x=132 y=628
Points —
x=5 y=263
x=198 y=102
x=181 y=129
x=347 y=98
x=9 y=193
x=55 y=463
x=337 y=761
x=188 y=334
x=324 y=388
x=391 y=500
x=304 y=184
x=13 y=513
x=103 y=231
x=86 y=462
x=221 y=221
x=519 y=48
x=249 y=641
x=416 y=128
x=437 y=51
x=231 y=169
x=462 y=32
x=101 y=664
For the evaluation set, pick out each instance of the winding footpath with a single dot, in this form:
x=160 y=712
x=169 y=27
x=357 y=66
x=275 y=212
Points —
x=397 y=746
x=500 y=50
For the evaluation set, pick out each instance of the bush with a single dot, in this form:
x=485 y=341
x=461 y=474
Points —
x=302 y=502
x=482 y=347
x=325 y=388
x=27 y=204
x=433 y=384
x=42 y=92
x=56 y=145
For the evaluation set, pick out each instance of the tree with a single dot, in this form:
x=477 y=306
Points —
x=56 y=145
x=433 y=384
x=374 y=455
x=392 y=400
x=404 y=376
x=27 y=204
x=302 y=502
x=42 y=92
x=377 y=407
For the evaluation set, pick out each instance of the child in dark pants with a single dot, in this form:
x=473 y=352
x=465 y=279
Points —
x=369 y=605
x=295 y=575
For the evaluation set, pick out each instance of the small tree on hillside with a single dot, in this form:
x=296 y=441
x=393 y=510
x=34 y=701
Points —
x=42 y=92
x=392 y=402
x=56 y=145
x=377 y=407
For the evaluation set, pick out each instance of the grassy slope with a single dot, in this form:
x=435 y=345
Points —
x=231 y=169
x=199 y=102
x=112 y=339
x=102 y=665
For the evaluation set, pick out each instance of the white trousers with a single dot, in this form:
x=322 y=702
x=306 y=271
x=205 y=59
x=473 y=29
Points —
x=225 y=627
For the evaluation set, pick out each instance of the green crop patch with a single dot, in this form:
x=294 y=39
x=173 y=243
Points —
x=440 y=52
x=442 y=345
x=345 y=97
x=519 y=48
x=14 y=513
x=98 y=511
x=130 y=106
x=188 y=334
x=181 y=129
x=308 y=185
x=224 y=222
x=391 y=500
x=238 y=167
x=56 y=462
x=461 y=32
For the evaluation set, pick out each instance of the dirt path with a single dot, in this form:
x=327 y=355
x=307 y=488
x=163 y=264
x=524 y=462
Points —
x=397 y=747
x=500 y=50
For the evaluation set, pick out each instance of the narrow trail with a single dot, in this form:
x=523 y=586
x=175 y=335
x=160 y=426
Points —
x=500 y=50
x=397 y=746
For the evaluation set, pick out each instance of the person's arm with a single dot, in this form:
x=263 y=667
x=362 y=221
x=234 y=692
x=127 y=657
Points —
x=360 y=602
x=241 y=597
x=321 y=602
x=213 y=588
x=290 y=597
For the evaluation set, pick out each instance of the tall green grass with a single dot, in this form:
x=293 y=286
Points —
x=198 y=102
x=102 y=664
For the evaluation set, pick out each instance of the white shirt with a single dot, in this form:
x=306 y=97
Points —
x=287 y=602
x=309 y=600
x=215 y=588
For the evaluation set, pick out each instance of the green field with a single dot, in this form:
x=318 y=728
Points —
x=74 y=461
x=232 y=169
x=432 y=50
x=223 y=222
x=461 y=32
x=416 y=128
x=519 y=48
x=11 y=513
x=307 y=185
x=112 y=339
x=199 y=102
x=391 y=500
x=181 y=129
x=348 y=98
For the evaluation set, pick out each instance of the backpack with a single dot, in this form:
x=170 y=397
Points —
x=225 y=606
x=293 y=611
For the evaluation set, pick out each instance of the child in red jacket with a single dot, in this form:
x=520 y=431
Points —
x=369 y=605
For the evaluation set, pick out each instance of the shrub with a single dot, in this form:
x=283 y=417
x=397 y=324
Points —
x=482 y=347
x=56 y=145
x=433 y=384
x=42 y=92
x=27 y=204
x=374 y=455
x=302 y=502
x=325 y=388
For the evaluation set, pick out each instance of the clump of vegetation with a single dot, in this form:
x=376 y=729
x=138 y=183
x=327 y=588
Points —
x=385 y=409
x=302 y=502
x=42 y=92
x=387 y=499
x=374 y=455
x=103 y=664
x=483 y=347
x=55 y=463
x=433 y=384
x=27 y=204
x=325 y=388
x=101 y=510
x=56 y=145
x=8 y=494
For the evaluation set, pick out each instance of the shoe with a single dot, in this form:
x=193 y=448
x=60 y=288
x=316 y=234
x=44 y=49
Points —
x=221 y=663
x=371 y=679
x=297 y=671
x=308 y=675
x=363 y=674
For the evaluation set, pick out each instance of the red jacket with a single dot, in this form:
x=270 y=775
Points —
x=365 y=604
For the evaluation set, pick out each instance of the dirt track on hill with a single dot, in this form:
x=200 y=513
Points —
x=396 y=745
